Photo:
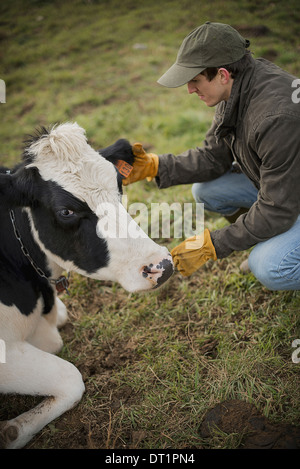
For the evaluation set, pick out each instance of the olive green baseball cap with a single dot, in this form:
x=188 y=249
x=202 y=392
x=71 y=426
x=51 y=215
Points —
x=209 y=45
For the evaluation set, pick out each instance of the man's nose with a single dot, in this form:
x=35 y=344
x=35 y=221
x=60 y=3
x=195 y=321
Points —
x=191 y=88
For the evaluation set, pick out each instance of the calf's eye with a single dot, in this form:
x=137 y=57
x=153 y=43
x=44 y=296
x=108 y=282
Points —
x=66 y=213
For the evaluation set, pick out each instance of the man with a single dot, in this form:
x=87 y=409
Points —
x=248 y=168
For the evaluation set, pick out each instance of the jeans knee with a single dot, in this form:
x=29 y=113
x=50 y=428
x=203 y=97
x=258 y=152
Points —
x=275 y=273
x=264 y=271
x=204 y=192
x=198 y=192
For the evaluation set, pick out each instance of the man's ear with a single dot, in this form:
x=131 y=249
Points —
x=225 y=76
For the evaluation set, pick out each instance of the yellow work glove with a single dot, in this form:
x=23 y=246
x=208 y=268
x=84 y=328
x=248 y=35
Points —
x=192 y=253
x=145 y=165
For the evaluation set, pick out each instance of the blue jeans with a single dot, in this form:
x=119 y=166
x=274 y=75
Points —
x=275 y=262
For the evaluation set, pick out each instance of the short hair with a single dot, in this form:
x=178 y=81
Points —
x=235 y=68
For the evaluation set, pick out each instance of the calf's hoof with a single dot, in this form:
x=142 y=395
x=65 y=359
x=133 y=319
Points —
x=8 y=434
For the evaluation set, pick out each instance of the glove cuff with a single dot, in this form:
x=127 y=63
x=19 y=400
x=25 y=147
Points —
x=210 y=244
x=153 y=169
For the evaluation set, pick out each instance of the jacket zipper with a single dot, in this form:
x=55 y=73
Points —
x=236 y=159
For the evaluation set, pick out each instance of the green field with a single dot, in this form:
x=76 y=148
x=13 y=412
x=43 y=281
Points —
x=152 y=364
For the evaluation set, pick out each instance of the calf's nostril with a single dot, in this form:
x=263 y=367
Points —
x=146 y=270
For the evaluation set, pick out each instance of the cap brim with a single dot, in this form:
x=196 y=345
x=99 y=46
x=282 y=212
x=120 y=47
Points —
x=177 y=75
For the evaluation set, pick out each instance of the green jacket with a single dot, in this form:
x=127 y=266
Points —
x=259 y=128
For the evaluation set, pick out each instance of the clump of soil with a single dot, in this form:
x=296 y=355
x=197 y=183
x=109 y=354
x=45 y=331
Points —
x=235 y=416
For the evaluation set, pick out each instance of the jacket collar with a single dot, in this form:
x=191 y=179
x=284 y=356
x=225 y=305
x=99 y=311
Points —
x=229 y=113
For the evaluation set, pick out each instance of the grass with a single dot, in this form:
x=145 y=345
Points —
x=188 y=347
x=153 y=364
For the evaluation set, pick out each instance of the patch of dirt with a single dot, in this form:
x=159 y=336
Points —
x=234 y=416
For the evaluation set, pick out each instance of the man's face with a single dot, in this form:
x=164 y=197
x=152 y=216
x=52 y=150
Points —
x=214 y=91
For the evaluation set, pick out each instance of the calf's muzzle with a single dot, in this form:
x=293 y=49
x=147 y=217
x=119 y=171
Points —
x=160 y=272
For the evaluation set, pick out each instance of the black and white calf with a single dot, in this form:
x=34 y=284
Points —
x=60 y=211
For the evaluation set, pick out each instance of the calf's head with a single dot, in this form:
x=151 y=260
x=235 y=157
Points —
x=73 y=200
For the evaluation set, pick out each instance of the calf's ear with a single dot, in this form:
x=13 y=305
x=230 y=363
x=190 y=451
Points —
x=121 y=155
x=18 y=188
x=120 y=150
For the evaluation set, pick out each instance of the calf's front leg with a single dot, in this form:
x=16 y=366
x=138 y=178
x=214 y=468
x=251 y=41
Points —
x=31 y=371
